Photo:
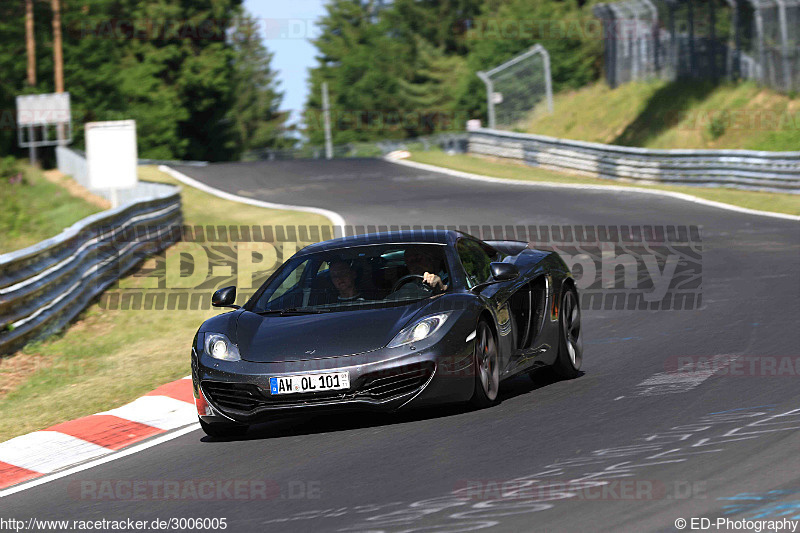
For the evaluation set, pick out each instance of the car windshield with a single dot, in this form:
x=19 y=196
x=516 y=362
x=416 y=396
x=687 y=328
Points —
x=360 y=276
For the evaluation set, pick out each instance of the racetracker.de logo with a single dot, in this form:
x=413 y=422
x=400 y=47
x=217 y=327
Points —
x=192 y=489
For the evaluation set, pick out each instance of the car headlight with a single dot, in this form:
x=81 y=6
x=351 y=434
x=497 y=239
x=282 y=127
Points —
x=422 y=328
x=219 y=346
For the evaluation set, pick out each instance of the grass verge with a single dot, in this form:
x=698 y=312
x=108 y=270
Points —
x=681 y=114
x=35 y=209
x=108 y=358
x=762 y=201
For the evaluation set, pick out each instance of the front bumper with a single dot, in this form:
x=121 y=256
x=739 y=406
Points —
x=385 y=379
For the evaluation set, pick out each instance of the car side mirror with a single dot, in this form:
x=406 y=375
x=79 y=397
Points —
x=503 y=271
x=225 y=297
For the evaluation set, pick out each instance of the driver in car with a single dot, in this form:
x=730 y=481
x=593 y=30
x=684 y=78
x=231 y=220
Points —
x=343 y=278
x=422 y=262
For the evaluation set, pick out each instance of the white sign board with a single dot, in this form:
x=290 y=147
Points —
x=474 y=124
x=111 y=154
x=497 y=98
x=43 y=109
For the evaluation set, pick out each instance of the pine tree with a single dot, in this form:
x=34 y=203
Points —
x=165 y=63
x=433 y=91
x=436 y=76
x=362 y=60
x=257 y=121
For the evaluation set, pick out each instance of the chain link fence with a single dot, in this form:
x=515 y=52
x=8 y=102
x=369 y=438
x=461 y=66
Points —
x=636 y=47
x=669 y=39
x=777 y=25
x=515 y=88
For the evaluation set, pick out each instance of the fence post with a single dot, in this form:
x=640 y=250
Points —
x=732 y=66
x=548 y=82
x=762 y=58
x=673 y=41
x=613 y=46
x=654 y=36
x=489 y=97
x=712 y=49
x=787 y=67
x=326 y=111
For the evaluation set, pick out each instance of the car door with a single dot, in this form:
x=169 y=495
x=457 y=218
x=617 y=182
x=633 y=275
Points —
x=475 y=260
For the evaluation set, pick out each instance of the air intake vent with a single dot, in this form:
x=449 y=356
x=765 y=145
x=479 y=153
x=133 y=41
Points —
x=396 y=381
x=238 y=396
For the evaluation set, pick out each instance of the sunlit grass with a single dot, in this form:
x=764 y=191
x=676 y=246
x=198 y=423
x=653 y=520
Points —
x=35 y=209
x=684 y=114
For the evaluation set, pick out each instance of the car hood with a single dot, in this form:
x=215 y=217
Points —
x=275 y=339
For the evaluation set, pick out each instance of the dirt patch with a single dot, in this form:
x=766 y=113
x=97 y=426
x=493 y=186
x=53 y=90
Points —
x=76 y=189
x=17 y=368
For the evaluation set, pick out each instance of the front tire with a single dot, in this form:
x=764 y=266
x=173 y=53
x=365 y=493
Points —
x=223 y=430
x=570 y=349
x=487 y=368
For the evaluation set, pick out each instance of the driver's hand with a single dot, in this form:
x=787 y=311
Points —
x=434 y=281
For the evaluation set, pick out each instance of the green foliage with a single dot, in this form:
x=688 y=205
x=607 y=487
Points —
x=257 y=121
x=507 y=28
x=361 y=59
x=410 y=68
x=178 y=68
x=717 y=125
x=10 y=170
x=435 y=80
x=33 y=208
x=442 y=23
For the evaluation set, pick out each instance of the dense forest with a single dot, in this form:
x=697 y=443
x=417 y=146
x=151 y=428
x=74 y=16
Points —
x=197 y=78
x=194 y=75
x=407 y=67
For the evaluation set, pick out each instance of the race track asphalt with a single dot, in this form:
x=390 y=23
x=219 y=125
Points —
x=726 y=446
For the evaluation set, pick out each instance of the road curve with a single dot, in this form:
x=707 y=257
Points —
x=643 y=460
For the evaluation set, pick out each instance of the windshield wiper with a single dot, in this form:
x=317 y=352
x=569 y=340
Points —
x=293 y=311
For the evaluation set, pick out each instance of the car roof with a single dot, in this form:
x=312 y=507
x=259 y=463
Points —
x=416 y=235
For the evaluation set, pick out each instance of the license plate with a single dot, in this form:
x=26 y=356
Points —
x=309 y=383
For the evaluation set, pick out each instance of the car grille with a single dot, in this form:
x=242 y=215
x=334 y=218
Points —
x=376 y=386
x=237 y=396
x=382 y=385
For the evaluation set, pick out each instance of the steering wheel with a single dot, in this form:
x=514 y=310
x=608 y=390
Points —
x=411 y=277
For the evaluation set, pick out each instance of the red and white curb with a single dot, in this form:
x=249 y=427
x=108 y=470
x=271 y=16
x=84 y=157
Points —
x=64 y=445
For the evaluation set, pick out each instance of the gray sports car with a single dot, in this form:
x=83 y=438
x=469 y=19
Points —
x=386 y=321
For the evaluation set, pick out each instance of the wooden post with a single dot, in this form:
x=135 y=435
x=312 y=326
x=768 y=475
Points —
x=58 y=57
x=58 y=63
x=30 y=42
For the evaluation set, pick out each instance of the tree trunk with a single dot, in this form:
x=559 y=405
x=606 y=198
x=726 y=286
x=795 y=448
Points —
x=30 y=42
x=58 y=58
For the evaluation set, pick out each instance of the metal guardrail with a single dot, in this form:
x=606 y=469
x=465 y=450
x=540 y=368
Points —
x=741 y=169
x=46 y=285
